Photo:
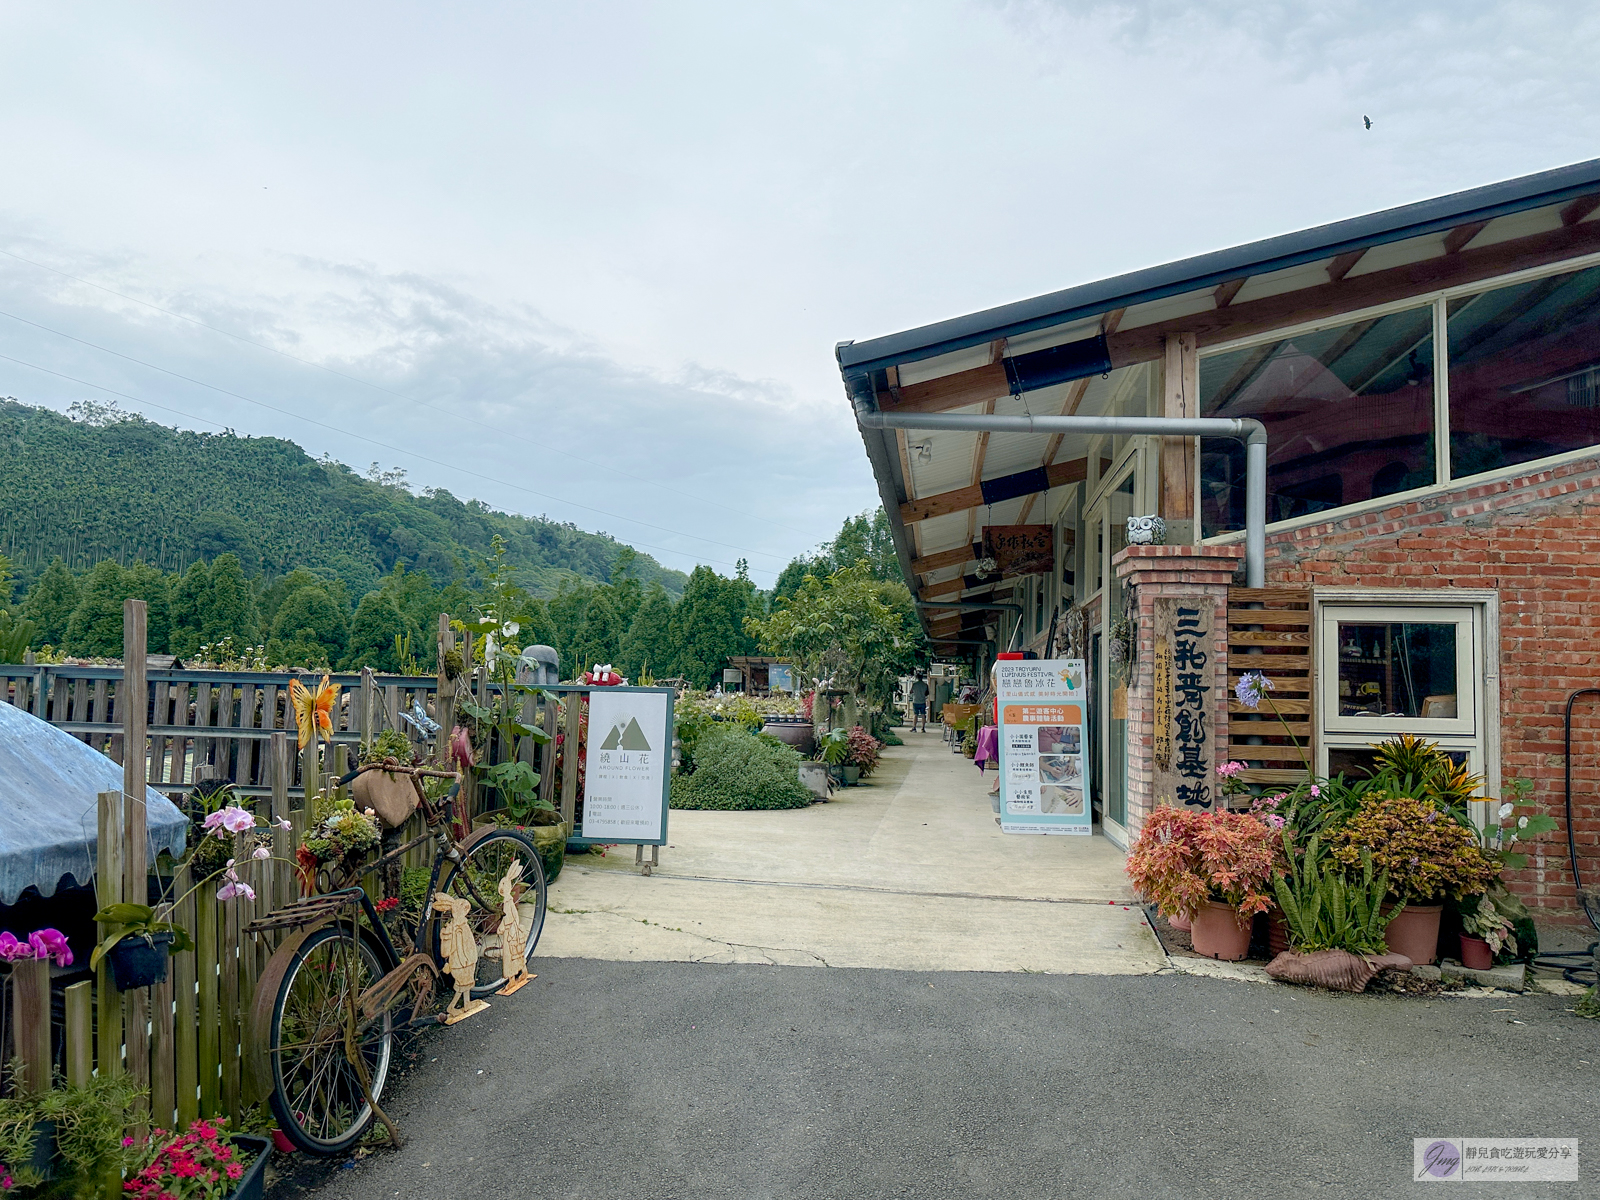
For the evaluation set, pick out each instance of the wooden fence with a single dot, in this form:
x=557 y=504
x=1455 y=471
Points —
x=221 y=720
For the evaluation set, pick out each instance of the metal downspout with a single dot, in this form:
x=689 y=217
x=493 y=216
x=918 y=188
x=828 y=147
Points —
x=1248 y=430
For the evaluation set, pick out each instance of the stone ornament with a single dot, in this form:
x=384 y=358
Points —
x=460 y=950
x=1147 y=531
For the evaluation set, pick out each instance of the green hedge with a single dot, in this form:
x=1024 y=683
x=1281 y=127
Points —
x=736 y=769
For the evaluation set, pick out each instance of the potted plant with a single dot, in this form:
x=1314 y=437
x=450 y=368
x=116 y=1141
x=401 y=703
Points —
x=864 y=751
x=71 y=1137
x=1429 y=857
x=833 y=748
x=1214 y=868
x=1485 y=932
x=137 y=945
x=204 y=1162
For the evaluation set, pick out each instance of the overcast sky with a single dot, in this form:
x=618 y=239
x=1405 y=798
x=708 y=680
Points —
x=591 y=260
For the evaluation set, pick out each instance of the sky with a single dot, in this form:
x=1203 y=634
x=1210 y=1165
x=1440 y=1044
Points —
x=591 y=260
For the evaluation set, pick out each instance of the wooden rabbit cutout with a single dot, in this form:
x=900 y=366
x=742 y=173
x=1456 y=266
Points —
x=461 y=956
x=513 y=934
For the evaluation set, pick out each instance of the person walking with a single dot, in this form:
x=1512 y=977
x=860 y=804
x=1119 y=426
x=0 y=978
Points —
x=919 y=704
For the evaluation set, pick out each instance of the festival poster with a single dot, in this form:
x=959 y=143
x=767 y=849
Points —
x=625 y=766
x=1044 y=763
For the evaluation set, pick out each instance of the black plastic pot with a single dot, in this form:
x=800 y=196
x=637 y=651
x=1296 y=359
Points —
x=44 y=1149
x=138 y=962
x=252 y=1184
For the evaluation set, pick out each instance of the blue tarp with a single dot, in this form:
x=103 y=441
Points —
x=50 y=784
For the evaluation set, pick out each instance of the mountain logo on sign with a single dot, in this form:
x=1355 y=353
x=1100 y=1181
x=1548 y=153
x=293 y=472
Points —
x=626 y=737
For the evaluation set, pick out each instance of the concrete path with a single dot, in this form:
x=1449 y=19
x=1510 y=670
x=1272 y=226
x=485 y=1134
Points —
x=908 y=871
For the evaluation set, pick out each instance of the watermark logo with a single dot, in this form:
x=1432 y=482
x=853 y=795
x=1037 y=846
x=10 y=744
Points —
x=1493 y=1160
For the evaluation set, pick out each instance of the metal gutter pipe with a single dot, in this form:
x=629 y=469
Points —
x=1248 y=430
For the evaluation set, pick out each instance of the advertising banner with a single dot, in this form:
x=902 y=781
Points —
x=625 y=766
x=1044 y=760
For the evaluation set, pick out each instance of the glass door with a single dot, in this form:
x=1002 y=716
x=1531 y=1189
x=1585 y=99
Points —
x=1107 y=529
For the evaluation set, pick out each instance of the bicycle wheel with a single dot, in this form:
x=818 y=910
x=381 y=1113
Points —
x=316 y=1088
x=476 y=877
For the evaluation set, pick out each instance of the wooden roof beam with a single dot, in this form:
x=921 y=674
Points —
x=1579 y=209
x=958 y=557
x=1339 y=295
x=1456 y=240
x=1227 y=291
x=961 y=499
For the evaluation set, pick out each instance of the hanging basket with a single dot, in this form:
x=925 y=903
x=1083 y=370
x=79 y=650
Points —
x=138 y=961
x=393 y=797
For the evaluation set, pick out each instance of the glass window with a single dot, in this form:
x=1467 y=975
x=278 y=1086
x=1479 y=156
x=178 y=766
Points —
x=1359 y=762
x=1524 y=372
x=1397 y=669
x=1348 y=411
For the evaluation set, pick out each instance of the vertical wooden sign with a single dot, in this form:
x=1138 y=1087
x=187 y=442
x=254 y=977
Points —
x=1183 y=742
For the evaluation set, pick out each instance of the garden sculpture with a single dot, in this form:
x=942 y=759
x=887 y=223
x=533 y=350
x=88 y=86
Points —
x=460 y=951
x=513 y=933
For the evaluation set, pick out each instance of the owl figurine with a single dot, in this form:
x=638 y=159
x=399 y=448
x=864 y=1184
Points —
x=1147 y=531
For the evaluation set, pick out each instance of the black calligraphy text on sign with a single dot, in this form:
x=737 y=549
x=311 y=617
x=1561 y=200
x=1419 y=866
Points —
x=1184 y=630
x=1020 y=549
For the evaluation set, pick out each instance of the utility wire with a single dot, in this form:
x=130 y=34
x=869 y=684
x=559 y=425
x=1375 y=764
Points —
x=391 y=392
x=374 y=441
x=204 y=421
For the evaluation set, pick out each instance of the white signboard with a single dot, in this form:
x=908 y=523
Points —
x=625 y=766
x=1044 y=768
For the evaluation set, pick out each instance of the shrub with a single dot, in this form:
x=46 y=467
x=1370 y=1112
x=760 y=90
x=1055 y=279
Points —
x=1184 y=858
x=1425 y=852
x=735 y=769
x=864 y=750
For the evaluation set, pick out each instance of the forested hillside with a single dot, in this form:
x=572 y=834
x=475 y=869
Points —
x=115 y=486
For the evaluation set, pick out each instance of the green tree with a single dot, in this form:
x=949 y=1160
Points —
x=372 y=635
x=708 y=625
x=648 y=642
x=864 y=538
x=534 y=626
x=191 y=596
x=624 y=589
x=95 y=627
x=599 y=636
x=49 y=604
x=309 y=629
x=567 y=609
x=843 y=632
x=230 y=609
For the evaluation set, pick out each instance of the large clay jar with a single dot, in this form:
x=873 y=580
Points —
x=1217 y=931
x=1415 y=933
x=796 y=733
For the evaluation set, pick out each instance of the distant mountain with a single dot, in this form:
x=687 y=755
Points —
x=118 y=486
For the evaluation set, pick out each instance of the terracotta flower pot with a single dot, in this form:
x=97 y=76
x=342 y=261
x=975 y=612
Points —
x=1277 y=932
x=1179 y=922
x=1475 y=953
x=1415 y=933
x=1218 y=932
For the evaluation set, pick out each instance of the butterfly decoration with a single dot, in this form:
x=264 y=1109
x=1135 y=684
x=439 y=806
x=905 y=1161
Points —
x=313 y=709
x=419 y=720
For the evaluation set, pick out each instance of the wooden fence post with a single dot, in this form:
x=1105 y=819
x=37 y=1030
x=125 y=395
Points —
x=282 y=845
x=30 y=997
x=79 y=1034
x=444 y=709
x=573 y=703
x=208 y=1039
x=108 y=891
x=185 y=968
x=135 y=850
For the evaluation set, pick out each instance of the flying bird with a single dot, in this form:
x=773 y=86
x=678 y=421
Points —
x=1367 y=121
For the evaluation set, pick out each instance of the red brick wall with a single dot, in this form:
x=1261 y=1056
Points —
x=1536 y=539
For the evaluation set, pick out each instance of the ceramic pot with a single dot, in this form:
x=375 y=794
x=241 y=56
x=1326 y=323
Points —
x=852 y=774
x=1415 y=933
x=1475 y=953
x=138 y=963
x=1218 y=932
x=796 y=733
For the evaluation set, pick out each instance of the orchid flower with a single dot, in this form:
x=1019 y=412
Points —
x=52 y=944
x=11 y=949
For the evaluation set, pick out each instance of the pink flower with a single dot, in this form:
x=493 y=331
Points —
x=1229 y=769
x=11 y=949
x=261 y=852
x=52 y=944
x=236 y=819
x=234 y=1170
x=235 y=887
x=1274 y=820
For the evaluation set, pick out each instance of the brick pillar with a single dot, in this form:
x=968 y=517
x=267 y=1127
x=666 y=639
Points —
x=1201 y=574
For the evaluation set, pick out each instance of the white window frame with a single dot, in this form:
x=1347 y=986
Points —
x=1482 y=745
x=1463 y=617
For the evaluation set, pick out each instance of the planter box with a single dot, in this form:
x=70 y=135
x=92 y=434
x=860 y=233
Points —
x=252 y=1184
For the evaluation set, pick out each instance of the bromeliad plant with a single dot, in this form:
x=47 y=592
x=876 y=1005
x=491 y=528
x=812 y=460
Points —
x=1184 y=859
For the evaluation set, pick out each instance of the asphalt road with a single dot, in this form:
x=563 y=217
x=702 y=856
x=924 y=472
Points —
x=676 y=1080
